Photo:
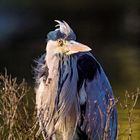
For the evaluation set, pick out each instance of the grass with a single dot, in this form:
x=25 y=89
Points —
x=18 y=113
x=17 y=110
x=130 y=114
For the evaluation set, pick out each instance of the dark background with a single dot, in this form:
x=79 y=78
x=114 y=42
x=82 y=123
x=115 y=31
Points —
x=111 y=28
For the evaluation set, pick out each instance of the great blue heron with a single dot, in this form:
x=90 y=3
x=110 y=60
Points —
x=73 y=95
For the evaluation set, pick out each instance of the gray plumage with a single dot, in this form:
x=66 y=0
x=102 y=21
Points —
x=73 y=95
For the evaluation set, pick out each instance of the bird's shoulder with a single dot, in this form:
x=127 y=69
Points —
x=87 y=66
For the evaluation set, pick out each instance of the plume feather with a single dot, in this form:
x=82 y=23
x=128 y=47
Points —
x=63 y=27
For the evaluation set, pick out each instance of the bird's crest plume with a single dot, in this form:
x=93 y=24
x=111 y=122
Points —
x=63 y=27
x=63 y=31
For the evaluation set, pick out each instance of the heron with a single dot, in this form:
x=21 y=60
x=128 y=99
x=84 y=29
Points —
x=74 y=98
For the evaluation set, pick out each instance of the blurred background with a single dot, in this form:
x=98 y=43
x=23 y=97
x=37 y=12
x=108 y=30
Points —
x=110 y=28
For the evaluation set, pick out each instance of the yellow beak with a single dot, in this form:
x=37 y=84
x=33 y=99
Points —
x=75 y=47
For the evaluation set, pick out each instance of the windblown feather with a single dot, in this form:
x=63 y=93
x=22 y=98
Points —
x=63 y=31
x=63 y=27
x=59 y=106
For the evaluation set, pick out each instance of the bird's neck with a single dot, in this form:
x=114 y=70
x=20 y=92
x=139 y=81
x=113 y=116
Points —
x=52 y=64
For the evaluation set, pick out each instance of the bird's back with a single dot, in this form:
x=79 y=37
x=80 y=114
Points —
x=100 y=116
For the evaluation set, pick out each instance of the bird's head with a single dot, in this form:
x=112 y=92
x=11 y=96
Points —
x=63 y=41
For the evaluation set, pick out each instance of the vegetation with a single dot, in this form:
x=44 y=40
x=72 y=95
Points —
x=17 y=110
x=128 y=106
x=18 y=114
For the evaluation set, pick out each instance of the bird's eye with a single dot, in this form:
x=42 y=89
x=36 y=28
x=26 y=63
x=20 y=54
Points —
x=60 y=42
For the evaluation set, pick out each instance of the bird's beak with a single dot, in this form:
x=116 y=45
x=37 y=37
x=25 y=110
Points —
x=75 y=47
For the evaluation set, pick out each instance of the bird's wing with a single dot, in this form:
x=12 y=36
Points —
x=99 y=96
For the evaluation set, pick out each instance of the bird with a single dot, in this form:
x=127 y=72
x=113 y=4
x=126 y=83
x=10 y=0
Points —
x=74 y=98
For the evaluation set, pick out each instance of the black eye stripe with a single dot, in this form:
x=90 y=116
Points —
x=54 y=35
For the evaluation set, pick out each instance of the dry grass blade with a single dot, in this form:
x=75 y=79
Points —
x=17 y=110
x=129 y=105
